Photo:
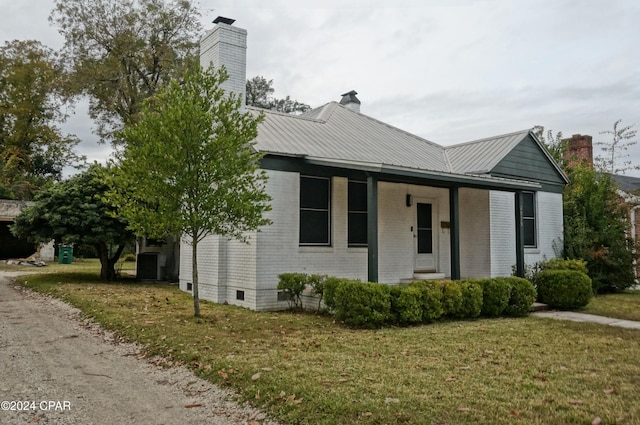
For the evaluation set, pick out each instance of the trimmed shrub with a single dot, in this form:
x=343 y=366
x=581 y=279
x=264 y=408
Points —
x=317 y=283
x=471 y=305
x=495 y=296
x=293 y=284
x=523 y=294
x=406 y=304
x=451 y=297
x=431 y=299
x=561 y=264
x=330 y=286
x=362 y=304
x=564 y=289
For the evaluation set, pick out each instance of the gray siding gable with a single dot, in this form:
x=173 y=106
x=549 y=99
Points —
x=528 y=161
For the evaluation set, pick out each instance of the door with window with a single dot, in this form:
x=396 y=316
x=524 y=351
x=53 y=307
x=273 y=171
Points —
x=424 y=237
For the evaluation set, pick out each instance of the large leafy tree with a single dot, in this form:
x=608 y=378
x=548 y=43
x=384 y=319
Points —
x=33 y=150
x=596 y=229
x=74 y=212
x=189 y=167
x=259 y=93
x=122 y=51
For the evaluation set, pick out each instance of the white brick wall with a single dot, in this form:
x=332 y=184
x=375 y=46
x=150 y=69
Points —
x=549 y=227
x=487 y=245
x=474 y=233
x=503 y=239
x=227 y=45
x=396 y=244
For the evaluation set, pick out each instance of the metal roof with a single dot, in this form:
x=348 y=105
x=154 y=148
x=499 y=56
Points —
x=335 y=134
x=481 y=156
x=334 y=131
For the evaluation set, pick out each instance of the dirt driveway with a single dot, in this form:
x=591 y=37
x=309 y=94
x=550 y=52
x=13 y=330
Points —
x=56 y=368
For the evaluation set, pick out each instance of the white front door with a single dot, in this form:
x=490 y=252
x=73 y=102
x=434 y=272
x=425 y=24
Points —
x=425 y=236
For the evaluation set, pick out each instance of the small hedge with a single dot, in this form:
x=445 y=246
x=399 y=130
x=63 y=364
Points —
x=523 y=294
x=495 y=296
x=561 y=264
x=371 y=305
x=471 y=305
x=431 y=299
x=564 y=289
x=362 y=304
x=406 y=305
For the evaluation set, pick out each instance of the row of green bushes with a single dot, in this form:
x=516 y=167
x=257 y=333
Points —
x=369 y=305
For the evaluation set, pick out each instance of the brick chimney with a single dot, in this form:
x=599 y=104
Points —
x=227 y=45
x=350 y=100
x=579 y=150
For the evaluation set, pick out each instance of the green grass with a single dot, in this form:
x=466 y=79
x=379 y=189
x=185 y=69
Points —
x=625 y=305
x=89 y=265
x=306 y=369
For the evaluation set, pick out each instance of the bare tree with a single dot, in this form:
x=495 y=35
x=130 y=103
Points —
x=615 y=151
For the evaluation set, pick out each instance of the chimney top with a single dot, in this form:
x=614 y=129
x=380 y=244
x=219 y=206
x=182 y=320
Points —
x=223 y=20
x=350 y=100
x=579 y=150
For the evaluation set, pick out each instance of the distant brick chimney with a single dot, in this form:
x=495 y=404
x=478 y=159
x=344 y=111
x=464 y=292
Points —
x=579 y=150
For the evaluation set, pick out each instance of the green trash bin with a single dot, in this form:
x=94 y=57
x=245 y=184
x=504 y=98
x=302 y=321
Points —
x=65 y=255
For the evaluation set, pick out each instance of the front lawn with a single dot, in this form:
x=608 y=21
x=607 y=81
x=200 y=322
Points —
x=306 y=369
x=89 y=265
x=625 y=305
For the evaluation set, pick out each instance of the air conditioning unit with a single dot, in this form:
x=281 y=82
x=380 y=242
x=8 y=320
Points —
x=150 y=266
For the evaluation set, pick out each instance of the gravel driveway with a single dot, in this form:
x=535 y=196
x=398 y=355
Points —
x=58 y=368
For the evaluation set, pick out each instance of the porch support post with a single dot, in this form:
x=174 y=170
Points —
x=519 y=235
x=454 y=232
x=372 y=228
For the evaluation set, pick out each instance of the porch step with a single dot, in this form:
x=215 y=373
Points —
x=421 y=275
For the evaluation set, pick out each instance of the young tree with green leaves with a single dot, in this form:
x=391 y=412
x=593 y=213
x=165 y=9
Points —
x=188 y=166
x=33 y=150
x=74 y=212
x=123 y=51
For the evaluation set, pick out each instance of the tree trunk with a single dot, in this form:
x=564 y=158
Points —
x=194 y=276
x=107 y=267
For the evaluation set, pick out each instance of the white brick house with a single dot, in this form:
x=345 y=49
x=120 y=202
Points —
x=355 y=197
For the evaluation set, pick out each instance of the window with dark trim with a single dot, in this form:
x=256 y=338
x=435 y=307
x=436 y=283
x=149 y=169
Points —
x=315 y=208
x=357 y=214
x=529 y=219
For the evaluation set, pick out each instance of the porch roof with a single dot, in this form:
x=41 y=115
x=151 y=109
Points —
x=438 y=178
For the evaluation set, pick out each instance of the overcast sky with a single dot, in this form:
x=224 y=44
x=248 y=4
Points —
x=450 y=71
